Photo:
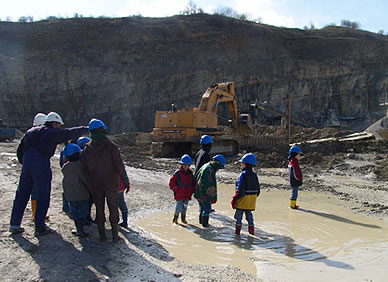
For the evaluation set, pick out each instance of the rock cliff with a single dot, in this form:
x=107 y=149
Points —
x=123 y=70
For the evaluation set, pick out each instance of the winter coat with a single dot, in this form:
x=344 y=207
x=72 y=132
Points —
x=206 y=189
x=247 y=189
x=202 y=157
x=294 y=173
x=74 y=182
x=102 y=164
x=45 y=139
x=182 y=183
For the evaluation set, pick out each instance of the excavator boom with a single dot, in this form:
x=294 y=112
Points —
x=185 y=126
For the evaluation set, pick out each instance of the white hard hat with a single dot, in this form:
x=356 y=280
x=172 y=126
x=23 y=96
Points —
x=54 y=117
x=39 y=119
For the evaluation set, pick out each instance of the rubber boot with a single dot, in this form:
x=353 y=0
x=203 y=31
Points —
x=205 y=220
x=124 y=220
x=293 y=205
x=183 y=217
x=80 y=229
x=33 y=209
x=115 y=232
x=101 y=232
x=75 y=231
x=200 y=218
x=251 y=229
x=175 y=219
x=238 y=229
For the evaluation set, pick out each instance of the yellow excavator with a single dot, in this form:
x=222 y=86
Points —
x=179 y=131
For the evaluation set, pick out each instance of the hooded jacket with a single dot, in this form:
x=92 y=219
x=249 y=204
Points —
x=102 y=164
x=247 y=189
x=206 y=189
x=74 y=182
x=294 y=173
x=182 y=183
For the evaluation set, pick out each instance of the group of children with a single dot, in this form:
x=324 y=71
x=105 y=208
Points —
x=202 y=183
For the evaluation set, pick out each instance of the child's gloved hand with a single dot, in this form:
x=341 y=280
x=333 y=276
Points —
x=232 y=203
x=127 y=188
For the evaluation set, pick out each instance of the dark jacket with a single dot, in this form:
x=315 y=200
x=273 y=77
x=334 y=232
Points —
x=182 y=183
x=45 y=139
x=202 y=157
x=74 y=182
x=102 y=164
x=294 y=173
x=247 y=189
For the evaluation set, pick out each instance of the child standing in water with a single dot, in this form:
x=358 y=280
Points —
x=295 y=174
x=247 y=189
x=182 y=183
x=206 y=189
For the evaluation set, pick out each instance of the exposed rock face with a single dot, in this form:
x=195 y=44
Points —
x=123 y=70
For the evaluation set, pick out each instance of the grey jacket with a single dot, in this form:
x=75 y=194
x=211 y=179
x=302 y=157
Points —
x=74 y=182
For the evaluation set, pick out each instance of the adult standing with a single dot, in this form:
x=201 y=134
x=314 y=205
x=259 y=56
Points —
x=39 y=120
x=36 y=148
x=103 y=166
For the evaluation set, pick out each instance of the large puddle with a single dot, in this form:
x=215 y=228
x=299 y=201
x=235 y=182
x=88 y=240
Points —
x=321 y=242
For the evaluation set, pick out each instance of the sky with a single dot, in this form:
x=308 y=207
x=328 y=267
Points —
x=372 y=15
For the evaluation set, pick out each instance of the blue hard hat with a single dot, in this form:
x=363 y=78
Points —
x=83 y=140
x=96 y=123
x=206 y=139
x=186 y=159
x=248 y=159
x=221 y=159
x=71 y=149
x=295 y=149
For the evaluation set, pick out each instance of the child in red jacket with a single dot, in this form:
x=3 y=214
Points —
x=182 y=183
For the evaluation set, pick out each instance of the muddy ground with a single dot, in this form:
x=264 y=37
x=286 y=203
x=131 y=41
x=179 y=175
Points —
x=355 y=172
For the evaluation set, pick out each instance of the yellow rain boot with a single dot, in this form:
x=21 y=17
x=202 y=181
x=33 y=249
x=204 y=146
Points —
x=33 y=208
x=293 y=205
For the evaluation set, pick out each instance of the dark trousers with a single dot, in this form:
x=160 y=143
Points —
x=79 y=209
x=122 y=204
x=113 y=206
x=294 y=193
x=35 y=175
x=204 y=208
x=65 y=204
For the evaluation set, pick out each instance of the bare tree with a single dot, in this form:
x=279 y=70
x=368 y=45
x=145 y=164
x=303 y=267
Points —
x=22 y=20
x=350 y=24
x=231 y=13
x=191 y=9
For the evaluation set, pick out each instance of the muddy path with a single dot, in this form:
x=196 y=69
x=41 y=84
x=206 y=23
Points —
x=138 y=256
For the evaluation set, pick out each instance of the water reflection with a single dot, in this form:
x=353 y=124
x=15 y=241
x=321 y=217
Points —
x=277 y=243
